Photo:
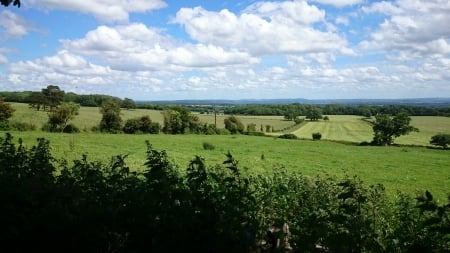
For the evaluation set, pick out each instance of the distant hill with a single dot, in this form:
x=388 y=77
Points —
x=407 y=101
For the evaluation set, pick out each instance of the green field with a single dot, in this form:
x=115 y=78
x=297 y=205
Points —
x=398 y=168
x=90 y=116
x=402 y=168
x=354 y=129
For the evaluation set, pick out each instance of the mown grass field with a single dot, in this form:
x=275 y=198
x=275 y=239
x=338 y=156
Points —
x=354 y=129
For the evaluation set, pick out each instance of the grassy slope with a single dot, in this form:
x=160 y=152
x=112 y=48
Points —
x=398 y=168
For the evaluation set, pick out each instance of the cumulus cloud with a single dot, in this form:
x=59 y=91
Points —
x=106 y=10
x=136 y=46
x=339 y=3
x=263 y=28
x=12 y=25
x=416 y=27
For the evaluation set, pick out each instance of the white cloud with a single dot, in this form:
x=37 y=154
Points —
x=339 y=3
x=413 y=27
x=263 y=28
x=136 y=46
x=12 y=25
x=107 y=10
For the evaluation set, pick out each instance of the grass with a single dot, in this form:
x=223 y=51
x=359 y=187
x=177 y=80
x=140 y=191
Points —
x=403 y=168
x=90 y=116
x=398 y=168
x=339 y=127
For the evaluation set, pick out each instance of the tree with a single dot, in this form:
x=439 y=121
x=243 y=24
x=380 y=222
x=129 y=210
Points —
x=386 y=128
x=234 y=125
x=36 y=100
x=313 y=113
x=8 y=2
x=6 y=112
x=442 y=140
x=60 y=117
x=128 y=103
x=111 y=120
x=53 y=96
x=178 y=120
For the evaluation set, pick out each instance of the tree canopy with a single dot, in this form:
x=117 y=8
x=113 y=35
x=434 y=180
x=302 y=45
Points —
x=8 y=2
x=386 y=128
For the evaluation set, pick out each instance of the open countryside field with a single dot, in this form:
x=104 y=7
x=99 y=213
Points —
x=90 y=116
x=339 y=127
x=398 y=168
x=354 y=129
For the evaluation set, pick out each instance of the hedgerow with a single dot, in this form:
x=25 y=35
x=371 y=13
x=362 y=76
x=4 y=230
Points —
x=90 y=206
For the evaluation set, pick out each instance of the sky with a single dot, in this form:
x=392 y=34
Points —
x=241 y=49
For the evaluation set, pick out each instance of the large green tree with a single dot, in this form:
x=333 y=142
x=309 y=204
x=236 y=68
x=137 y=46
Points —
x=178 y=120
x=60 y=117
x=386 y=127
x=313 y=113
x=53 y=96
x=234 y=125
x=111 y=120
x=442 y=140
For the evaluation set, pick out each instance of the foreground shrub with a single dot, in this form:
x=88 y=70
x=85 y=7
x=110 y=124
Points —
x=85 y=206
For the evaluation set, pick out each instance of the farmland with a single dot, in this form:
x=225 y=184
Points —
x=401 y=168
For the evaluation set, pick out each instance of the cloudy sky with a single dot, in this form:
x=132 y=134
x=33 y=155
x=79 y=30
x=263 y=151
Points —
x=204 y=49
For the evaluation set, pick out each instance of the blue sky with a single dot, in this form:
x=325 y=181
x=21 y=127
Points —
x=172 y=49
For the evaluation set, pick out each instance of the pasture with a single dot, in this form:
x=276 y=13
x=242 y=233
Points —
x=401 y=168
x=90 y=116
x=398 y=168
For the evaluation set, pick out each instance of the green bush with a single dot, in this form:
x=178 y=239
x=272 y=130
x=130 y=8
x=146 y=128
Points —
x=22 y=126
x=71 y=128
x=316 y=136
x=442 y=140
x=288 y=136
x=208 y=146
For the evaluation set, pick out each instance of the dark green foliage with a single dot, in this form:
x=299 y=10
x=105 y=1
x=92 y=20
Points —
x=22 y=126
x=387 y=128
x=141 y=125
x=6 y=112
x=288 y=136
x=8 y=2
x=234 y=125
x=111 y=120
x=313 y=113
x=85 y=206
x=316 y=136
x=178 y=120
x=128 y=103
x=208 y=146
x=442 y=140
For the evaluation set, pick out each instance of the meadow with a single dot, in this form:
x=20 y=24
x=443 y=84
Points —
x=403 y=168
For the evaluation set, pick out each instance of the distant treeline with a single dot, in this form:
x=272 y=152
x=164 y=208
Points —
x=338 y=109
x=96 y=100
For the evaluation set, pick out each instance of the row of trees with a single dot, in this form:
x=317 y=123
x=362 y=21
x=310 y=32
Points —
x=291 y=111
x=86 y=206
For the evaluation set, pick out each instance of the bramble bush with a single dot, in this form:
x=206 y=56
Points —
x=91 y=206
